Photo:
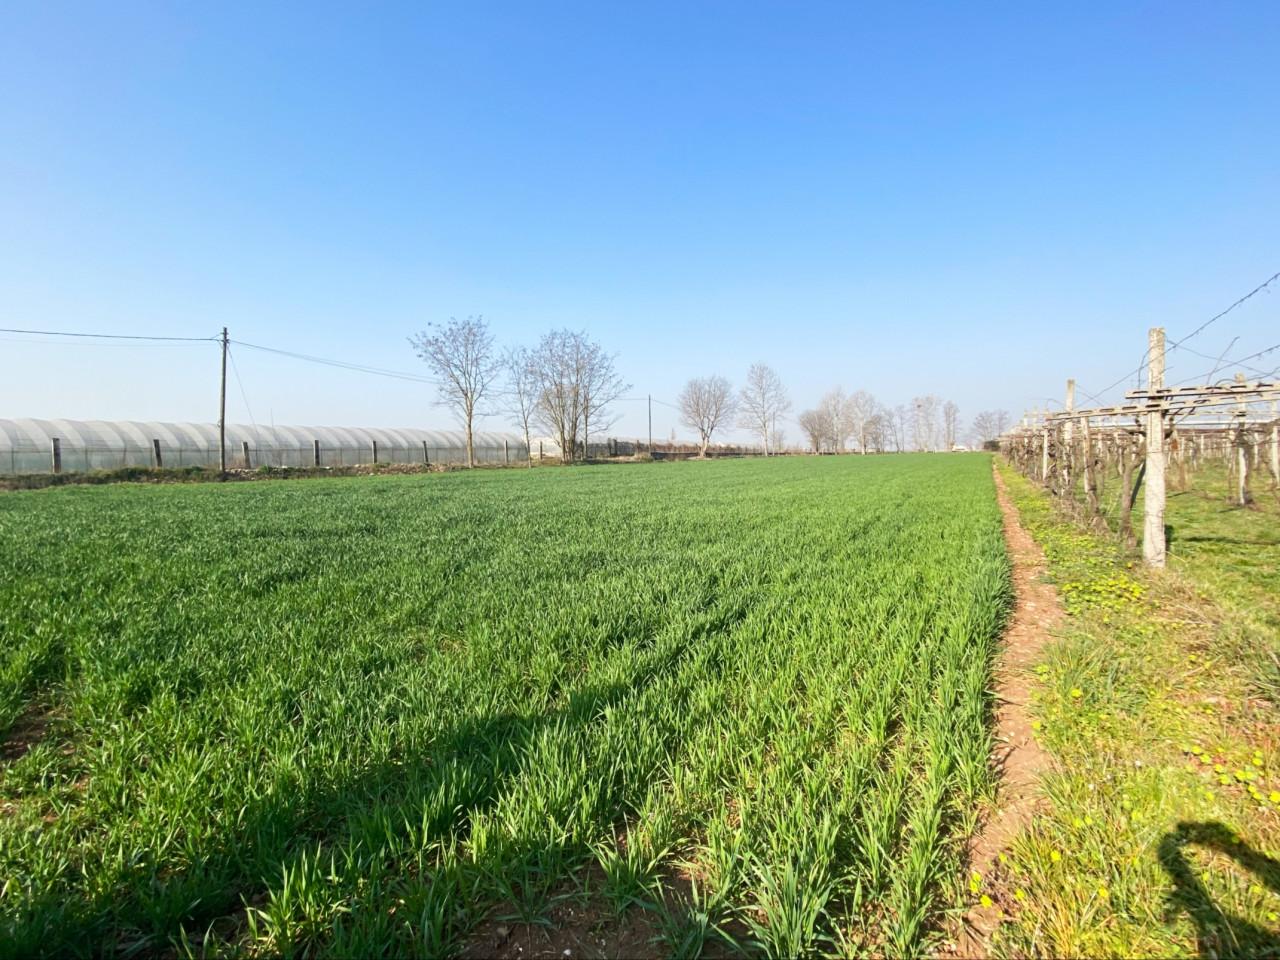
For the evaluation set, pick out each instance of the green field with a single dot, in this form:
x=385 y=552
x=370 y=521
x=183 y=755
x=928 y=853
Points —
x=739 y=699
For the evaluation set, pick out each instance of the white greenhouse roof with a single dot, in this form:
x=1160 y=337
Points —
x=28 y=434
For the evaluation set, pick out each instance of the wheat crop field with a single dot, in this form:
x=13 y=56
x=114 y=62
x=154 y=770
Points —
x=732 y=706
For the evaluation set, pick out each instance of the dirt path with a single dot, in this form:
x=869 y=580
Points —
x=1019 y=759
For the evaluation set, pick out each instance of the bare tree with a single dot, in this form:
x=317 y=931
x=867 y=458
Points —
x=950 y=424
x=778 y=440
x=860 y=411
x=878 y=433
x=762 y=401
x=705 y=404
x=834 y=407
x=522 y=392
x=814 y=425
x=461 y=354
x=601 y=386
x=556 y=365
x=924 y=422
x=989 y=424
x=575 y=381
x=898 y=419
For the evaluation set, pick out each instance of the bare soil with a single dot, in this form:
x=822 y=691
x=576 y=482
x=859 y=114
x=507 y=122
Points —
x=582 y=925
x=1019 y=759
x=28 y=730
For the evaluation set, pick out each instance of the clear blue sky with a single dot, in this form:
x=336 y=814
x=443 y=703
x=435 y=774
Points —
x=975 y=200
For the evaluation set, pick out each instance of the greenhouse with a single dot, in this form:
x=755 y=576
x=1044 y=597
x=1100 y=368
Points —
x=44 y=446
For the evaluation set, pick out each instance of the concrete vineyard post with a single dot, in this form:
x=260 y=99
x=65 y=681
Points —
x=244 y=451
x=57 y=455
x=1275 y=442
x=1153 y=542
x=315 y=453
x=1090 y=484
x=1044 y=453
x=155 y=453
x=1068 y=452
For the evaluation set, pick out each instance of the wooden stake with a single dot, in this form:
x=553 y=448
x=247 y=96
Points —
x=155 y=453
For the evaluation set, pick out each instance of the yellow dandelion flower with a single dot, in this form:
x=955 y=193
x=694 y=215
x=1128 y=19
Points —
x=1274 y=796
x=1054 y=856
x=1104 y=892
x=1021 y=894
x=985 y=901
x=1076 y=693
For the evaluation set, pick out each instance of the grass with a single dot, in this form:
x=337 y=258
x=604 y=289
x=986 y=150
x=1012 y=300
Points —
x=366 y=716
x=1162 y=824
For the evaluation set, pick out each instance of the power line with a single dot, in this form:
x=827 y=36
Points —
x=341 y=364
x=1258 y=289
x=243 y=396
x=107 y=336
x=1241 y=361
x=1198 y=330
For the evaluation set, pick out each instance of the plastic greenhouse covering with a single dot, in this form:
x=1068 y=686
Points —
x=27 y=446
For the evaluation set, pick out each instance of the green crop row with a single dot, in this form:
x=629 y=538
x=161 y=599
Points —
x=364 y=716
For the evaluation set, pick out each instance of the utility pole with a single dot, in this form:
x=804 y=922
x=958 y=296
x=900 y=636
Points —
x=1153 y=543
x=651 y=424
x=222 y=409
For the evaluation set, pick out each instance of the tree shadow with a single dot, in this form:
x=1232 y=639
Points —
x=1218 y=934
x=463 y=775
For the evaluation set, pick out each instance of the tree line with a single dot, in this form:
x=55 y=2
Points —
x=567 y=382
x=564 y=384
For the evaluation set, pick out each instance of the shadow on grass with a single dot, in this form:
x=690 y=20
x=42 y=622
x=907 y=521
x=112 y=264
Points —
x=145 y=913
x=1218 y=934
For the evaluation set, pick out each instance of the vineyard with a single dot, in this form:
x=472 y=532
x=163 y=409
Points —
x=715 y=704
